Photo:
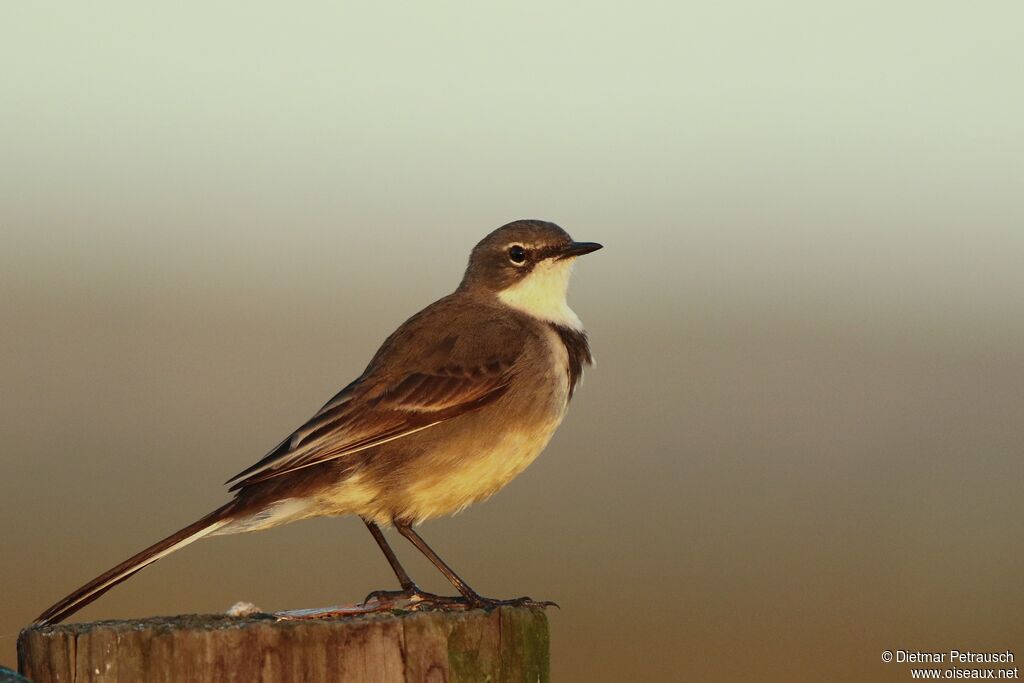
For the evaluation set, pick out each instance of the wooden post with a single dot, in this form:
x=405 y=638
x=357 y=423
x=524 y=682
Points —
x=506 y=644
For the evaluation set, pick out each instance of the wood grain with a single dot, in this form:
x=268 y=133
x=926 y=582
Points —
x=506 y=644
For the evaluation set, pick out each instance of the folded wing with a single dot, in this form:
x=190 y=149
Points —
x=388 y=403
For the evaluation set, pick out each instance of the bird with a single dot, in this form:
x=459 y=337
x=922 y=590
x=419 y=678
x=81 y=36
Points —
x=458 y=401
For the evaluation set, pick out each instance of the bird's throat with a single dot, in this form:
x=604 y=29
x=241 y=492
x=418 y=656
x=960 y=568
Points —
x=542 y=294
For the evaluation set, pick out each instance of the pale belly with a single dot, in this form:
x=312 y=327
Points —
x=445 y=478
x=478 y=477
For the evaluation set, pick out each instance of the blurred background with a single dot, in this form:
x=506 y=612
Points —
x=802 y=443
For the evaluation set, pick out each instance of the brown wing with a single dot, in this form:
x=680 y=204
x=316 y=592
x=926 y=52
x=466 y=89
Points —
x=416 y=381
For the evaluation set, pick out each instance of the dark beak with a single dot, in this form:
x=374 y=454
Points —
x=577 y=249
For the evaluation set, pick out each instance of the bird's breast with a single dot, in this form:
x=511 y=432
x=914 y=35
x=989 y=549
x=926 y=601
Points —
x=473 y=470
x=441 y=470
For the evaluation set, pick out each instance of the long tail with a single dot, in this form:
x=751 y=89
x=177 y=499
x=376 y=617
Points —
x=107 y=580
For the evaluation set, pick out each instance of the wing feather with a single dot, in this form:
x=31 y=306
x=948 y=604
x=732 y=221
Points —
x=372 y=411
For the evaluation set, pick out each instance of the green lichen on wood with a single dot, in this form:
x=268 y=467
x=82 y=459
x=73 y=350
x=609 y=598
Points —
x=474 y=655
x=517 y=649
x=524 y=645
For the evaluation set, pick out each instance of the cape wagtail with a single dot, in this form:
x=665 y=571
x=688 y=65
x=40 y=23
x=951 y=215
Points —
x=458 y=401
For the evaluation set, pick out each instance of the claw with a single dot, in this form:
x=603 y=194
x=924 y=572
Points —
x=410 y=599
x=481 y=602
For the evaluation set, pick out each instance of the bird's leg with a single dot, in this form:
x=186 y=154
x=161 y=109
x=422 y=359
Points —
x=410 y=534
x=396 y=566
x=410 y=591
x=472 y=598
x=411 y=597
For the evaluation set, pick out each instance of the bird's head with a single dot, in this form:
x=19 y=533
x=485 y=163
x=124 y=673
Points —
x=526 y=265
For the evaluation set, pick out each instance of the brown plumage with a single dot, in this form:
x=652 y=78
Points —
x=457 y=401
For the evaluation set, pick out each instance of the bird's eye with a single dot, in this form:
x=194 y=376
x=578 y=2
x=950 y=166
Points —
x=517 y=255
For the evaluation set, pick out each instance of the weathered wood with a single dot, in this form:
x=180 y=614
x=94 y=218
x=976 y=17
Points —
x=506 y=644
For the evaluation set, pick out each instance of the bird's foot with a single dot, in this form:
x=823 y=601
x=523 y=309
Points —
x=410 y=599
x=480 y=602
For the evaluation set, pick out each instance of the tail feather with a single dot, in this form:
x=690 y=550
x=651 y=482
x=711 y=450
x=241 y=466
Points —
x=110 y=578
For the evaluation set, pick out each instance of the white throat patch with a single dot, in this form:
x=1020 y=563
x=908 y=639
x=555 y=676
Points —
x=542 y=293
